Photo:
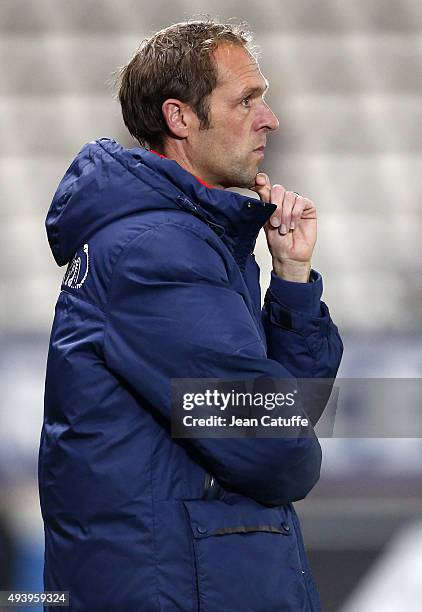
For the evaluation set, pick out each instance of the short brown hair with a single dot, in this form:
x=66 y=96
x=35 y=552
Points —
x=176 y=62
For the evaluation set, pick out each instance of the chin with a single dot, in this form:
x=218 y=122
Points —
x=242 y=176
x=241 y=184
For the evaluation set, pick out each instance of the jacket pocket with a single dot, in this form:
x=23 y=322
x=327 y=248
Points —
x=246 y=557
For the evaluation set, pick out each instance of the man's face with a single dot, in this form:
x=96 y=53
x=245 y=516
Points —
x=239 y=122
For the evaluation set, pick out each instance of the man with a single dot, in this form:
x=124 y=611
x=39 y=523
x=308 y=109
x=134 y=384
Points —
x=162 y=284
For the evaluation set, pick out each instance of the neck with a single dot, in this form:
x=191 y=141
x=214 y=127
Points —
x=176 y=151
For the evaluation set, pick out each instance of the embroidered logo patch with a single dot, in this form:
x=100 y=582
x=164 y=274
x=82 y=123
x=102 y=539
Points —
x=77 y=270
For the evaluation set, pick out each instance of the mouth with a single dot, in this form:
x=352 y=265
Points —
x=260 y=150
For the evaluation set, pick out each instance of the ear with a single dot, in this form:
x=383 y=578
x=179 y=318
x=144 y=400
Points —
x=177 y=115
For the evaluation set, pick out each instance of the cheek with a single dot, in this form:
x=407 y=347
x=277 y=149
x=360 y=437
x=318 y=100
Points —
x=231 y=134
x=228 y=137
x=238 y=132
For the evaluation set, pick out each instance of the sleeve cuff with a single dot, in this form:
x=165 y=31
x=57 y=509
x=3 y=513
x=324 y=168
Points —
x=301 y=297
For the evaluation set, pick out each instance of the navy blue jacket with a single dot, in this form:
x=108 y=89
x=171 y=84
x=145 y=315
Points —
x=162 y=283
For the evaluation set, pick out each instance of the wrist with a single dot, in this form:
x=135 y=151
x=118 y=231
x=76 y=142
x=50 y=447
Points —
x=293 y=271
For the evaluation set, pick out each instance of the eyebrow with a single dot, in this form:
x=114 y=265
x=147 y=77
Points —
x=253 y=90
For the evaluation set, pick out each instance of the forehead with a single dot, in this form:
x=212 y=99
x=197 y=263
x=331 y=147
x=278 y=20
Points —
x=237 y=69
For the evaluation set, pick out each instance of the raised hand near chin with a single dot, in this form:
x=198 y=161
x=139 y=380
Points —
x=291 y=231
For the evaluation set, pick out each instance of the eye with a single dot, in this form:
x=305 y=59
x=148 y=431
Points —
x=246 y=102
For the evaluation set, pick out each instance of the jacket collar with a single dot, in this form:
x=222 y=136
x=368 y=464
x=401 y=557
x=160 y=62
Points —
x=235 y=217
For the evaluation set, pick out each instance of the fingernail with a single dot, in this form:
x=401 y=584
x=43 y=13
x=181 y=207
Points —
x=283 y=229
x=275 y=221
x=292 y=225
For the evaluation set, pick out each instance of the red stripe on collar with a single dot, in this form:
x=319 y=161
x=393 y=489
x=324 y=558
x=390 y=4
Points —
x=197 y=177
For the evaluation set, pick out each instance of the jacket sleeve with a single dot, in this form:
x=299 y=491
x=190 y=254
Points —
x=301 y=335
x=172 y=313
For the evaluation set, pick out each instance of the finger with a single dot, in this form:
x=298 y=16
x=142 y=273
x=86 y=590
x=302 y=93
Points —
x=277 y=196
x=297 y=211
x=286 y=212
x=262 y=186
x=309 y=211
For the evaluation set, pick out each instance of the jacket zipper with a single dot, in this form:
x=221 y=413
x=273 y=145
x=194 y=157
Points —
x=300 y=552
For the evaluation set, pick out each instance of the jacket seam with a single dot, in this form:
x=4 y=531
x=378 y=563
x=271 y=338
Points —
x=252 y=343
x=123 y=250
x=154 y=539
x=82 y=299
x=129 y=243
x=195 y=578
x=313 y=355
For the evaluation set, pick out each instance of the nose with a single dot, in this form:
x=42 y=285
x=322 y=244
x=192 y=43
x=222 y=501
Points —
x=266 y=118
x=271 y=120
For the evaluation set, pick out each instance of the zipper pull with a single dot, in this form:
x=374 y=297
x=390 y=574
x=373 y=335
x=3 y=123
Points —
x=186 y=204
x=183 y=202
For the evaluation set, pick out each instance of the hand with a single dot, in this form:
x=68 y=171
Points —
x=291 y=231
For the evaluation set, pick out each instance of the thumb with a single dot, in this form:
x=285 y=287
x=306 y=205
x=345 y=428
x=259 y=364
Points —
x=262 y=186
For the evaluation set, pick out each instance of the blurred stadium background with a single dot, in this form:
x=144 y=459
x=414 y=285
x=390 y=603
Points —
x=345 y=80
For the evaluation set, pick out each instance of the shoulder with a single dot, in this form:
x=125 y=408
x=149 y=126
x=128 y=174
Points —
x=178 y=246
